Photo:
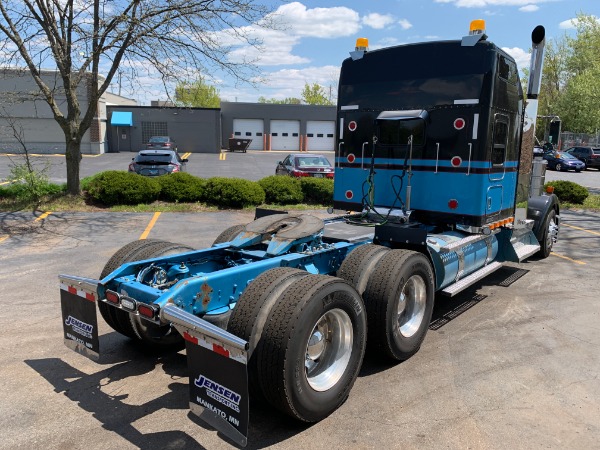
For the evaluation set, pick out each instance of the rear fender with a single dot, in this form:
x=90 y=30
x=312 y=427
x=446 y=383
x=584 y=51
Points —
x=538 y=208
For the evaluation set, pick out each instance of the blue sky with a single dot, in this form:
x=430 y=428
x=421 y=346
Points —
x=316 y=36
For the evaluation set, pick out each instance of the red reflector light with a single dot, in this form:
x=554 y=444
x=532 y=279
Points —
x=453 y=204
x=112 y=297
x=146 y=311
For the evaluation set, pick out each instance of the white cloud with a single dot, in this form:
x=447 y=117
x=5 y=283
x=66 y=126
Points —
x=522 y=57
x=529 y=8
x=386 y=42
x=378 y=21
x=285 y=83
x=572 y=23
x=486 y=3
x=317 y=22
x=405 y=24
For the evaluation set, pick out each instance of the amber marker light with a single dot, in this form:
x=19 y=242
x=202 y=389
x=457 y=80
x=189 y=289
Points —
x=477 y=26
x=362 y=44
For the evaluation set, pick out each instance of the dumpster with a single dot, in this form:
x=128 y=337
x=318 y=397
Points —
x=239 y=144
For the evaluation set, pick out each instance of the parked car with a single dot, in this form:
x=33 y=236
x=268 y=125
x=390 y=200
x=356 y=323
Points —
x=153 y=163
x=162 y=143
x=538 y=151
x=304 y=165
x=588 y=155
x=563 y=161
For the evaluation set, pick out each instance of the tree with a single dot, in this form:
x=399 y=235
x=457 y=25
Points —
x=197 y=94
x=315 y=95
x=81 y=39
x=571 y=81
x=285 y=101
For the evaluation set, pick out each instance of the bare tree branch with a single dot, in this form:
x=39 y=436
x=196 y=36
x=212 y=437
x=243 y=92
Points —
x=89 y=42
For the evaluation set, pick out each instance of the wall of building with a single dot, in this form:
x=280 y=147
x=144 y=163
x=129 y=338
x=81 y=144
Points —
x=195 y=130
x=23 y=109
x=268 y=112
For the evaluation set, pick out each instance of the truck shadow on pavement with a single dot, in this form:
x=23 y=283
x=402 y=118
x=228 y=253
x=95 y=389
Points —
x=124 y=363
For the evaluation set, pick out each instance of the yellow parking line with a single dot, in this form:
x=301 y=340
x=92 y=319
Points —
x=37 y=219
x=4 y=182
x=568 y=259
x=186 y=155
x=222 y=156
x=150 y=225
x=581 y=229
x=43 y=216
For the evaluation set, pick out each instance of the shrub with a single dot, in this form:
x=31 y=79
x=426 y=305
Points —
x=282 y=190
x=22 y=191
x=317 y=190
x=568 y=191
x=233 y=192
x=181 y=187
x=116 y=187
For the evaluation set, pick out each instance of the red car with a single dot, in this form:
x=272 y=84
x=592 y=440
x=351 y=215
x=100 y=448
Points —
x=305 y=165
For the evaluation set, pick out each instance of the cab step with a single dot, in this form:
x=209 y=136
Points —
x=467 y=281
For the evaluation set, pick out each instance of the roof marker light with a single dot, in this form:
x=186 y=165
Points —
x=477 y=27
x=362 y=44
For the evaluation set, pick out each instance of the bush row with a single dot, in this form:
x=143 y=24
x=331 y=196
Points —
x=568 y=191
x=124 y=188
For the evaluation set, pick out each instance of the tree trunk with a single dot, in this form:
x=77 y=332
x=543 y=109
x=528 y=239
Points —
x=73 y=157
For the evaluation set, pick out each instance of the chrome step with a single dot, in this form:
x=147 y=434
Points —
x=453 y=246
x=467 y=281
x=524 y=251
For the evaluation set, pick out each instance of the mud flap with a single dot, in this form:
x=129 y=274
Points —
x=217 y=364
x=78 y=297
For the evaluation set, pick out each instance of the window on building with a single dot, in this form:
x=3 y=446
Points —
x=150 y=129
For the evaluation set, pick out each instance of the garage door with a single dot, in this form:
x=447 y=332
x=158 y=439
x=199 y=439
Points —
x=285 y=135
x=319 y=135
x=250 y=129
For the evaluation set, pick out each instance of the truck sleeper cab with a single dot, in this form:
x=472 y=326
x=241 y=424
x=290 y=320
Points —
x=429 y=167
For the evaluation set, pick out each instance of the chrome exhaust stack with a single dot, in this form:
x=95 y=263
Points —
x=538 y=41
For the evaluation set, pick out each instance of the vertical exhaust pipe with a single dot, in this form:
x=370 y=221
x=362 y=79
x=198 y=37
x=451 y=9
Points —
x=538 y=40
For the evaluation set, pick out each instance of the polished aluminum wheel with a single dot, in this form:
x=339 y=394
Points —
x=411 y=306
x=328 y=350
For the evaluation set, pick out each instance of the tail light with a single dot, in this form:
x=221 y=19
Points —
x=329 y=175
x=299 y=173
x=175 y=168
x=132 y=167
x=167 y=144
x=147 y=311
x=113 y=297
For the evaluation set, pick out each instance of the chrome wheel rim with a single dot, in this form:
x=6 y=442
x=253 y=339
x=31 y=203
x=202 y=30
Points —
x=411 y=306
x=328 y=350
x=552 y=236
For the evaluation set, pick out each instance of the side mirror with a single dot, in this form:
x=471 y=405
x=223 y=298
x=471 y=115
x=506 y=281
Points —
x=184 y=160
x=132 y=159
x=280 y=163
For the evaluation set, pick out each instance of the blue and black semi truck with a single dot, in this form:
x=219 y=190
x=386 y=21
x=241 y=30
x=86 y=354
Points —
x=433 y=168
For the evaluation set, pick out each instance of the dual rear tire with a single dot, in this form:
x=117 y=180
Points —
x=129 y=324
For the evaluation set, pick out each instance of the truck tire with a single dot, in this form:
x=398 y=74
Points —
x=229 y=234
x=359 y=264
x=399 y=301
x=252 y=310
x=110 y=314
x=550 y=234
x=131 y=325
x=314 y=343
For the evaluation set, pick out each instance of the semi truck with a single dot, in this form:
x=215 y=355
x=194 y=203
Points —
x=433 y=189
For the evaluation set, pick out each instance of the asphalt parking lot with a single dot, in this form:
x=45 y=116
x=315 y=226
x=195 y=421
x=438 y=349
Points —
x=252 y=165
x=512 y=362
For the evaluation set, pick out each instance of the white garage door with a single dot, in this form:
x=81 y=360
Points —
x=285 y=135
x=250 y=129
x=319 y=134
